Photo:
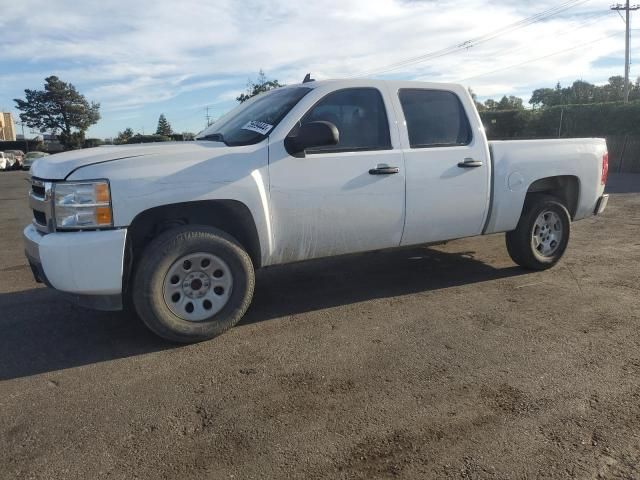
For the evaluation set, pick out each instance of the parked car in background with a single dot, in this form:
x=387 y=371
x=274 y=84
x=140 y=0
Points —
x=19 y=157
x=4 y=162
x=11 y=160
x=30 y=157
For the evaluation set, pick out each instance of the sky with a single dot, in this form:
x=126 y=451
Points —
x=141 y=58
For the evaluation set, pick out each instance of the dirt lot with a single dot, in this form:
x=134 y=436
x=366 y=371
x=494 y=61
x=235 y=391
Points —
x=447 y=362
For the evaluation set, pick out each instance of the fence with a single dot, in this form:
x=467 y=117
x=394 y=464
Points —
x=624 y=154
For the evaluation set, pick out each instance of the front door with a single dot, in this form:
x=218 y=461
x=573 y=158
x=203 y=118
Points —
x=344 y=198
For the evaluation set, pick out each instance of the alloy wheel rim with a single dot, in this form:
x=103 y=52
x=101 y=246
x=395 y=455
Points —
x=547 y=233
x=197 y=286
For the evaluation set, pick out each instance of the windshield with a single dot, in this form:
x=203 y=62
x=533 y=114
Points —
x=251 y=122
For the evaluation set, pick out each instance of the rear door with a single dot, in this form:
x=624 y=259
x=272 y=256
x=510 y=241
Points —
x=344 y=198
x=447 y=165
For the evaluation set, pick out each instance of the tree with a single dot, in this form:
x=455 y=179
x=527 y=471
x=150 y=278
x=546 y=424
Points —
x=262 y=84
x=490 y=104
x=164 y=127
x=546 y=97
x=479 y=106
x=583 y=93
x=59 y=108
x=124 y=136
x=92 y=142
x=510 y=103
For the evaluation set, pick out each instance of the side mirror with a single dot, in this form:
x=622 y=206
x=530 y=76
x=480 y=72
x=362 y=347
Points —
x=312 y=134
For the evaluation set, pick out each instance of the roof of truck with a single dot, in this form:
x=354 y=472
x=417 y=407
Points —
x=349 y=82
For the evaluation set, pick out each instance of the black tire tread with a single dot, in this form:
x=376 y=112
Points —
x=149 y=301
x=518 y=241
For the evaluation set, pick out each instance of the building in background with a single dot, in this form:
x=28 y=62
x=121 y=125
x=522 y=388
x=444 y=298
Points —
x=7 y=128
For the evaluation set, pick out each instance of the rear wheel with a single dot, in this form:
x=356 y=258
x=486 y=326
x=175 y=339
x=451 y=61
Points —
x=193 y=283
x=542 y=234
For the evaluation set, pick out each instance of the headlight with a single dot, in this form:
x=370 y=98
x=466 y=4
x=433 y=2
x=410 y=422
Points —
x=82 y=204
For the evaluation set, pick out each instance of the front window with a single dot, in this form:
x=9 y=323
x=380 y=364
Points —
x=360 y=117
x=252 y=121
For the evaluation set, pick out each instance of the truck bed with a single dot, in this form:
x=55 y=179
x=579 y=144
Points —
x=517 y=163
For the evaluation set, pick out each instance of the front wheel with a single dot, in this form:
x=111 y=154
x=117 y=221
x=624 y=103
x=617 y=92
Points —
x=542 y=234
x=192 y=284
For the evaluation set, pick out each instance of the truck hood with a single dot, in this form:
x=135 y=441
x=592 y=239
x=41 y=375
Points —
x=61 y=165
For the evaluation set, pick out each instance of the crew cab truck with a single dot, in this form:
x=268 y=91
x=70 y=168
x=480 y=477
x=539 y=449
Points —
x=305 y=171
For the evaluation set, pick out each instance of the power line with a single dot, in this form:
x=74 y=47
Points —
x=627 y=37
x=587 y=21
x=478 y=40
x=539 y=58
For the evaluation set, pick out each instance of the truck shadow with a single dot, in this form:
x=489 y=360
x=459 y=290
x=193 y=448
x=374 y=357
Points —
x=330 y=282
x=40 y=332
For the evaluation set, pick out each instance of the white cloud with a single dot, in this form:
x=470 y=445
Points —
x=129 y=54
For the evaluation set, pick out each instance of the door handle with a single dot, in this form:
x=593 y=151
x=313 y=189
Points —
x=470 y=163
x=384 y=170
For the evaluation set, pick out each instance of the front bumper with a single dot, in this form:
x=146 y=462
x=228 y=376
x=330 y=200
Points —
x=87 y=266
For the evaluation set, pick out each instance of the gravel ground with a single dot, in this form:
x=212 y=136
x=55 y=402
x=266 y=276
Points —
x=445 y=362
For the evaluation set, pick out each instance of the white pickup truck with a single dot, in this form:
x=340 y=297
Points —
x=305 y=171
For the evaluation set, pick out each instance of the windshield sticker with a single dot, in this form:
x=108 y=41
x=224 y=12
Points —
x=260 y=127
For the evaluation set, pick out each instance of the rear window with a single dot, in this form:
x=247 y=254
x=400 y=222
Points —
x=435 y=118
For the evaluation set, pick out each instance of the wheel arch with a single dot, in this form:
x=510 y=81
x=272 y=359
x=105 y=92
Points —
x=230 y=216
x=565 y=188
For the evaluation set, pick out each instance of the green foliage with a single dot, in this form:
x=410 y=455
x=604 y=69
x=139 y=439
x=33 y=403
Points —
x=92 y=142
x=124 y=136
x=590 y=120
x=510 y=103
x=581 y=92
x=148 y=138
x=182 y=137
x=479 y=106
x=164 y=127
x=505 y=123
x=59 y=108
x=262 y=84
x=505 y=103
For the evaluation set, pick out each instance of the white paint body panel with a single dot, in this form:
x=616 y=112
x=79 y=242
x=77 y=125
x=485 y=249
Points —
x=536 y=159
x=327 y=203
x=320 y=205
x=88 y=263
x=197 y=171
x=444 y=201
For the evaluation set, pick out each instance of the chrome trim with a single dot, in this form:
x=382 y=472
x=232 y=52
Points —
x=31 y=238
x=42 y=204
x=46 y=205
x=601 y=204
x=77 y=205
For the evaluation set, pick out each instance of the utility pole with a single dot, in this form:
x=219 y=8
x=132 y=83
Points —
x=627 y=8
x=208 y=117
x=26 y=143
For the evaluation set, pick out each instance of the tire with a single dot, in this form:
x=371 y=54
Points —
x=163 y=303
x=549 y=244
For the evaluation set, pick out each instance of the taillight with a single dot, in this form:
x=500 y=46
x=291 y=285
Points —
x=605 y=168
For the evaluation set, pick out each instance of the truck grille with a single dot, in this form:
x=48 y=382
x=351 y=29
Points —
x=40 y=218
x=38 y=189
x=40 y=202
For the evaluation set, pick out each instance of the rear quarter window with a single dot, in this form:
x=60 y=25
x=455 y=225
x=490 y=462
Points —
x=435 y=118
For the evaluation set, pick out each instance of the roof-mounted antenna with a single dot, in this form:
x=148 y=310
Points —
x=307 y=78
